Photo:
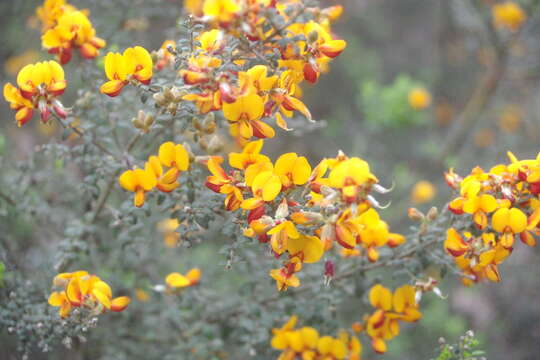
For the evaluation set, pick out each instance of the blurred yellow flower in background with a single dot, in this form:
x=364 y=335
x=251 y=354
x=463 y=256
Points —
x=167 y=228
x=141 y=295
x=419 y=98
x=422 y=192
x=510 y=119
x=508 y=15
x=15 y=63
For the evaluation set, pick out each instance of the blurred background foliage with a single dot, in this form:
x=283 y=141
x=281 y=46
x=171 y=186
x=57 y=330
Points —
x=362 y=105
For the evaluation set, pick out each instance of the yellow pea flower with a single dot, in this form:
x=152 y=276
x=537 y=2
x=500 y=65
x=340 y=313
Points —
x=177 y=281
x=134 y=65
x=81 y=289
x=212 y=41
x=174 y=155
x=256 y=80
x=508 y=15
x=250 y=155
x=454 y=243
x=166 y=181
x=222 y=11
x=284 y=279
x=73 y=30
x=168 y=228
x=419 y=98
x=138 y=181
x=59 y=299
x=39 y=85
x=281 y=234
x=309 y=249
x=245 y=114
x=509 y=222
x=292 y=169
x=423 y=192
x=266 y=185
x=22 y=106
x=479 y=206
x=164 y=57
x=380 y=297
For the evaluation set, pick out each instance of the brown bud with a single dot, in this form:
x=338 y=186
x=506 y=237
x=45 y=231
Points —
x=149 y=120
x=415 y=214
x=203 y=143
x=160 y=100
x=196 y=123
x=432 y=214
x=137 y=123
x=172 y=107
x=167 y=94
x=215 y=144
x=209 y=123
x=177 y=94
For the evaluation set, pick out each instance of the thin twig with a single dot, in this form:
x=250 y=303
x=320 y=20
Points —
x=9 y=200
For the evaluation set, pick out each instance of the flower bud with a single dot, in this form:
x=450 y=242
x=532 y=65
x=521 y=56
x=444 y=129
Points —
x=415 y=214
x=215 y=144
x=172 y=107
x=149 y=120
x=432 y=213
x=209 y=123
x=160 y=99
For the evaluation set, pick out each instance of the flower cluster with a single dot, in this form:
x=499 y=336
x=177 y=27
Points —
x=173 y=156
x=256 y=88
x=500 y=204
x=383 y=324
x=39 y=86
x=80 y=289
x=306 y=343
x=65 y=28
x=134 y=66
x=508 y=15
x=279 y=213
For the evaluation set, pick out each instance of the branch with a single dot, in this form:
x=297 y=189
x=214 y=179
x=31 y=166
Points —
x=485 y=89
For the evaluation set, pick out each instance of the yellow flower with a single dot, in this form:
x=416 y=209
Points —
x=245 y=114
x=165 y=181
x=73 y=30
x=508 y=15
x=422 y=192
x=266 y=185
x=250 y=155
x=284 y=279
x=164 y=57
x=281 y=235
x=223 y=11
x=142 y=295
x=419 y=98
x=178 y=281
x=80 y=289
x=135 y=64
x=174 y=155
x=39 y=85
x=168 y=229
x=52 y=10
x=509 y=222
x=15 y=63
x=292 y=169
x=349 y=176
x=138 y=181
x=309 y=249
